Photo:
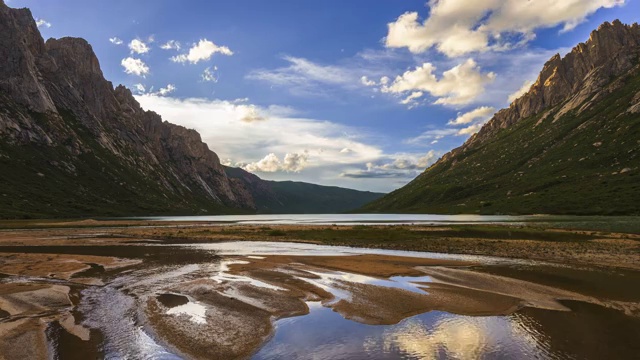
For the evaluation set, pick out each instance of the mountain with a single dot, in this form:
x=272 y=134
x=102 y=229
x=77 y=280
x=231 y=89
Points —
x=570 y=145
x=293 y=197
x=73 y=145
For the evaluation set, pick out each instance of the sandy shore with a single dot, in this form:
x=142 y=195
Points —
x=617 y=250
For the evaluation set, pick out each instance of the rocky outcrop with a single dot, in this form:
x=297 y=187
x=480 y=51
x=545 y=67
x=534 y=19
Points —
x=21 y=49
x=610 y=51
x=73 y=145
x=54 y=94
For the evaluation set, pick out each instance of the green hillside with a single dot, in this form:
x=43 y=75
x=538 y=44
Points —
x=578 y=164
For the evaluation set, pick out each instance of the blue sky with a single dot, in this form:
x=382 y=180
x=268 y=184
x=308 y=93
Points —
x=359 y=93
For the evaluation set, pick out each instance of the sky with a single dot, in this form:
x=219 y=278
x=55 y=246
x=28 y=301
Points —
x=359 y=93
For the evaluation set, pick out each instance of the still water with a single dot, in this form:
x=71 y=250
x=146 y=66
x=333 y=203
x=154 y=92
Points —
x=354 y=219
x=630 y=224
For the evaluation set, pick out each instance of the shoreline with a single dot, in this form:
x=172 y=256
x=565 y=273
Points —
x=521 y=241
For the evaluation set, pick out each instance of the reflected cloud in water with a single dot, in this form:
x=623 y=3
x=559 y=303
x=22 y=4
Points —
x=458 y=337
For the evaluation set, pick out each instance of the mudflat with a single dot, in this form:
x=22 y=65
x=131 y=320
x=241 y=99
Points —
x=194 y=290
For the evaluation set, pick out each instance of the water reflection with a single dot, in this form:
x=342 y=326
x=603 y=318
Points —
x=324 y=334
x=456 y=337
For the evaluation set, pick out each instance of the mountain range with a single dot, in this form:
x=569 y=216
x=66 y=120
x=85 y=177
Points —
x=72 y=144
x=570 y=145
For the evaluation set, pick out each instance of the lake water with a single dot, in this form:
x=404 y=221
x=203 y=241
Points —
x=355 y=219
x=629 y=224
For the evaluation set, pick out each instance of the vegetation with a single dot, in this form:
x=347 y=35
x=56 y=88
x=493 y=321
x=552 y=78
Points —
x=40 y=181
x=579 y=164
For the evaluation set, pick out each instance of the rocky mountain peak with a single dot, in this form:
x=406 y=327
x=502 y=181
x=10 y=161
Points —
x=21 y=50
x=610 y=51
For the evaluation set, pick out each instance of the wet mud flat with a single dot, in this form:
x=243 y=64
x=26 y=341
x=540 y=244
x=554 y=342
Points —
x=238 y=300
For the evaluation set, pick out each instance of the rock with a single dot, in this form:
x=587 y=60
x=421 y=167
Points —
x=579 y=76
x=625 y=170
x=64 y=74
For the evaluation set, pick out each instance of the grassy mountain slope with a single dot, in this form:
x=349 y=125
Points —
x=583 y=161
x=293 y=197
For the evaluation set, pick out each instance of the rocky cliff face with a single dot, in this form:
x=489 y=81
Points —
x=53 y=97
x=571 y=144
x=73 y=145
x=576 y=80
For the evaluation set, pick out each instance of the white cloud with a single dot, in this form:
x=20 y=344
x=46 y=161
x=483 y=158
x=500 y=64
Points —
x=137 y=46
x=43 y=22
x=292 y=162
x=202 y=51
x=459 y=85
x=303 y=77
x=523 y=90
x=475 y=119
x=223 y=125
x=251 y=113
x=170 y=88
x=134 y=66
x=367 y=82
x=456 y=27
x=430 y=136
x=471 y=129
x=210 y=74
x=301 y=72
x=171 y=45
x=395 y=166
x=481 y=113
x=410 y=100
x=115 y=41
x=139 y=88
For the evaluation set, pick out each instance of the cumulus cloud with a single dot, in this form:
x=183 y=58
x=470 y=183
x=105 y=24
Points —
x=367 y=82
x=202 y=51
x=523 y=90
x=210 y=74
x=459 y=85
x=251 y=113
x=43 y=23
x=292 y=162
x=480 y=113
x=224 y=127
x=134 y=66
x=411 y=99
x=396 y=166
x=115 y=41
x=165 y=90
x=170 y=45
x=138 y=46
x=457 y=28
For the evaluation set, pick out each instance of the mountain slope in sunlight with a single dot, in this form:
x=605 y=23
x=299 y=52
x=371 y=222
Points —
x=570 y=145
